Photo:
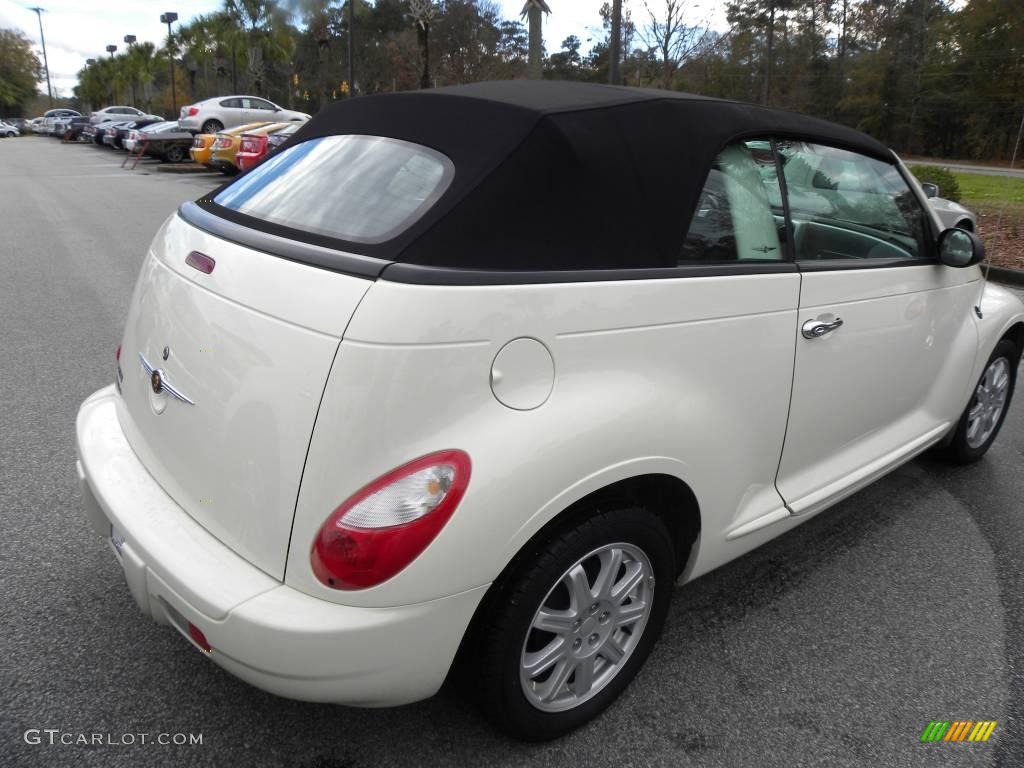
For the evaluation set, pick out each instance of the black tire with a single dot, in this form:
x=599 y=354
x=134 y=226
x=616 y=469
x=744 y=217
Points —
x=960 y=449
x=175 y=155
x=492 y=668
x=212 y=126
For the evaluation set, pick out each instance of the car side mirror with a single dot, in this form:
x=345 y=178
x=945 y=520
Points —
x=930 y=190
x=960 y=248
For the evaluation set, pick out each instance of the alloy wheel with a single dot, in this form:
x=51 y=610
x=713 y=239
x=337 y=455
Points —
x=988 y=403
x=586 y=627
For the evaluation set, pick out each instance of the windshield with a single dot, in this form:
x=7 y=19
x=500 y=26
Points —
x=363 y=189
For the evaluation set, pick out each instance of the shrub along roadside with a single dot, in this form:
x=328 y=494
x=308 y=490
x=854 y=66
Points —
x=943 y=178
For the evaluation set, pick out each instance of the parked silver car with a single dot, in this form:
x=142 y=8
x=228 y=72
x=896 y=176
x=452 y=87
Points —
x=222 y=112
x=950 y=214
x=120 y=113
x=8 y=130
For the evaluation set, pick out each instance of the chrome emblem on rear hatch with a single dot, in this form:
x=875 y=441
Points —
x=158 y=381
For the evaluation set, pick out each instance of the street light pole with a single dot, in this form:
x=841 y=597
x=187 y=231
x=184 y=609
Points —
x=169 y=18
x=46 y=63
x=130 y=39
x=110 y=50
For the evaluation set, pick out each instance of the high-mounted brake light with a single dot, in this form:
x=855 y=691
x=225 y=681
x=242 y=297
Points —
x=117 y=354
x=385 y=526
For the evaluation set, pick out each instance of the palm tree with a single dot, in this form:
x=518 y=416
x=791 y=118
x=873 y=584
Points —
x=423 y=15
x=268 y=38
x=92 y=87
x=147 y=62
x=615 y=49
x=533 y=9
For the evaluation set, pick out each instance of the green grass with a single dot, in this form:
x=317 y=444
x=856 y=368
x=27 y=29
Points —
x=981 y=191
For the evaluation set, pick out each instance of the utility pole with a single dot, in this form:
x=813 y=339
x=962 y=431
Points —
x=46 y=62
x=615 y=50
x=169 y=18
x=351 y=46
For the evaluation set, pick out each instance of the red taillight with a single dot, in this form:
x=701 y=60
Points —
x=253 y=145
x=386 y=525
x=117 y=355
x=193 y=111
x=223 y=143
x=200 y=261
x=198 y=637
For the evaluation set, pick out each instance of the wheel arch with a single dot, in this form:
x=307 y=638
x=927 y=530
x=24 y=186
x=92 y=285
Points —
x=1015 y=333
x=667 y=496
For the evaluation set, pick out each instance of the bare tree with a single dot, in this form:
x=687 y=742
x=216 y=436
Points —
x=668 y=34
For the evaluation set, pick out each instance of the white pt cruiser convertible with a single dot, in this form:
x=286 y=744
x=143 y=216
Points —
x=469 y=379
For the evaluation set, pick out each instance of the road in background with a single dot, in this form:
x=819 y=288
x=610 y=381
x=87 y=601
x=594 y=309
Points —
x=984 y=170
x=834 y=645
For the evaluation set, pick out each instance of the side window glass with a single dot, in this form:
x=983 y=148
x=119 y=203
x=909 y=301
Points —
x=734 y=220
x=259 y=104
x=232 y=103
x=848 y=206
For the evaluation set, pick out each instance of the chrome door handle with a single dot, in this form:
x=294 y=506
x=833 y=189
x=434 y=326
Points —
x=815 y=329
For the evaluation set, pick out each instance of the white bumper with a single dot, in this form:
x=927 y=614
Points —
x=262 y=631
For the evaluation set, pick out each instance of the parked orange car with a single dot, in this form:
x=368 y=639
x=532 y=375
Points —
x=201 y=147
x=222 y=156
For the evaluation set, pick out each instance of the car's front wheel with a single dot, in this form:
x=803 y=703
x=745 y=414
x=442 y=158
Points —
x=573 y=623
x=984 y=414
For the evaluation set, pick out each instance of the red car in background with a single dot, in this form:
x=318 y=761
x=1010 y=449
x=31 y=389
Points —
x=255 y=146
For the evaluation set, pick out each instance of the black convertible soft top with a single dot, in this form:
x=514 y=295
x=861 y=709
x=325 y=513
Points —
x=551 y=175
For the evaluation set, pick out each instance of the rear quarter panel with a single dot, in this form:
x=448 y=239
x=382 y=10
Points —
x=688 y=377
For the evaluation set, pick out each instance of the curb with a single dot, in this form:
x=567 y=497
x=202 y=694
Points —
x=1004 y=275
x=182 y=168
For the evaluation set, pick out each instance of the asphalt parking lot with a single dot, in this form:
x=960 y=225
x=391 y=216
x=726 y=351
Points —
x=834 y=645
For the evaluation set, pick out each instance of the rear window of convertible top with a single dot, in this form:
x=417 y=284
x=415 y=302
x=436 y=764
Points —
x=364 y=189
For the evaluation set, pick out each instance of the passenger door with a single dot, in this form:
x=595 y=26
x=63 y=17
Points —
x=257 y=110
x=885 y=338
x=736 y=363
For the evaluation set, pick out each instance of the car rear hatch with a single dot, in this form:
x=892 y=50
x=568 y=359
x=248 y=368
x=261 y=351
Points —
x=221 y=373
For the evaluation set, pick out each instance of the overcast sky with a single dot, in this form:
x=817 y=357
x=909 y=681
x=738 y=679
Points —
x=79 y=29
